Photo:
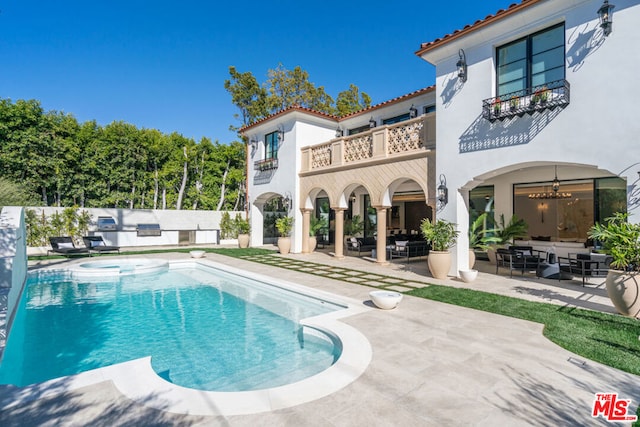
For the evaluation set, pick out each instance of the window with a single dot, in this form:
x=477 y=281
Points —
x=532 y=61
x=360 y=129
x=396 y=119
x=429 y=109
x=271 y=145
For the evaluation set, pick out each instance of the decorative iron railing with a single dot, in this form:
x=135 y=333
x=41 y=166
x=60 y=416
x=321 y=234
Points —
x=527 y=101
x=266 y=164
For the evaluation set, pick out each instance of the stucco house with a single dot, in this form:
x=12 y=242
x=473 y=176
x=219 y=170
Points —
x=536 y=116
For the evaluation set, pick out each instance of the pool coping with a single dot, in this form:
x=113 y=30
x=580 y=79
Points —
x=137 y=380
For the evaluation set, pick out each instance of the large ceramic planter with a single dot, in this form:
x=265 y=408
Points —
x=439 y=264
x=491 y=254
x=472 y=259
x=284 y=245
x=243 y=240
x=313 y=242
x=624 y=291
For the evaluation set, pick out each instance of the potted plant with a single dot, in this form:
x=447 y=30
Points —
x=243 y=228
x=497 y=106
x=315 y=226
x=441 y=235
x=505 y=234
x=513 y=103
x=353 y=226
x=480 y=238
x=284 y=226
x=621 y=240
x=544 y=95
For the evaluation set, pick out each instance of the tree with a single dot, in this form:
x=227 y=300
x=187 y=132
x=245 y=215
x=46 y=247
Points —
x=351 y=100
x=287 y=88
x=248 y=96
x=13 y=194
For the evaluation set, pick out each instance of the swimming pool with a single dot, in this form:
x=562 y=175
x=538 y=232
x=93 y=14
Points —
x=283 y=340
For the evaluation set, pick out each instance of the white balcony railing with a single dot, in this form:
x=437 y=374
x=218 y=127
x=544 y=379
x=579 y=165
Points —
x=408 y=138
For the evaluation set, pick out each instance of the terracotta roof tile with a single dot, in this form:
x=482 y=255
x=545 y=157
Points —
x=489 y=19
x=338 y=118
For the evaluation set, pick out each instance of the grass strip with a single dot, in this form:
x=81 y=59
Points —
x=610 y=339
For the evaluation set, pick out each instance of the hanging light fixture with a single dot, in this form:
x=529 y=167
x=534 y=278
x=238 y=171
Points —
x=372 y=122
x=555 y=185
x=606 y=17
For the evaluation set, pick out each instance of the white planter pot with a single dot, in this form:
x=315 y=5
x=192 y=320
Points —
x=468 y=276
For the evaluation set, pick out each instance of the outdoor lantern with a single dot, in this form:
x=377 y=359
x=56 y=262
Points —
x=372 y=122
x=280 y=133
x=606 y=17
x=254 y=143
x=413 y=112
x=339 y=132
x=462 y=66
x=286 y=202
x=443 y=193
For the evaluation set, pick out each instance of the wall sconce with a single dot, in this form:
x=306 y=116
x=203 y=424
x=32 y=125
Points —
x=462 y=66
x=339 y=132
x=287 y=202
x=443 y=192
x=372 y=123
x=254 y=143
x=280 y=133
x=542 y=207
x=413 y=112
x=606 y=17
x=352 y=198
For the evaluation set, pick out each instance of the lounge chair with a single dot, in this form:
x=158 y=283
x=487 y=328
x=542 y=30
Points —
x=97 y=244
x=64 y=245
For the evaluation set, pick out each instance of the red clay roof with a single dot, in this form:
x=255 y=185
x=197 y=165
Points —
x=337 y=118
x=480 y=23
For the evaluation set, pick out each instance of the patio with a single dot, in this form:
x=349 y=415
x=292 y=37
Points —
x=433 y=363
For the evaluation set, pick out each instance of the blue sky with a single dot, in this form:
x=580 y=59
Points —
x=162 y=65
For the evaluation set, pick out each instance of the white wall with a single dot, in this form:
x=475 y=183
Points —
x=13 y=267
x=300 y=130
x=598 y=128
x=204 y=223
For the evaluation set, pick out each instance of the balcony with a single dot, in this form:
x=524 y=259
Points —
x=265 y=165
x=407 y=139
x=527 y=101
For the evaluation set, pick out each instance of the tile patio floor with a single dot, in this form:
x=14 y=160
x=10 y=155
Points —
x=433 y=364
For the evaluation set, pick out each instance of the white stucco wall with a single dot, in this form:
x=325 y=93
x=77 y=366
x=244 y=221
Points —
x=13 y=267
x=299 y=130
x=203 y=223
x=599 y=127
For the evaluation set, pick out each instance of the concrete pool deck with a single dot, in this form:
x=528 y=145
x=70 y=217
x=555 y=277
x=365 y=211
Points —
x=433 y=363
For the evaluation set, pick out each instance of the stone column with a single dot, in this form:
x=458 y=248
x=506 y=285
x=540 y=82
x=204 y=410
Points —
x=306 y=224
x=381 y=230
x=339 y=235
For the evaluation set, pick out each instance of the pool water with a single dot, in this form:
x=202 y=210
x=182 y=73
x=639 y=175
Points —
x=205 y=330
